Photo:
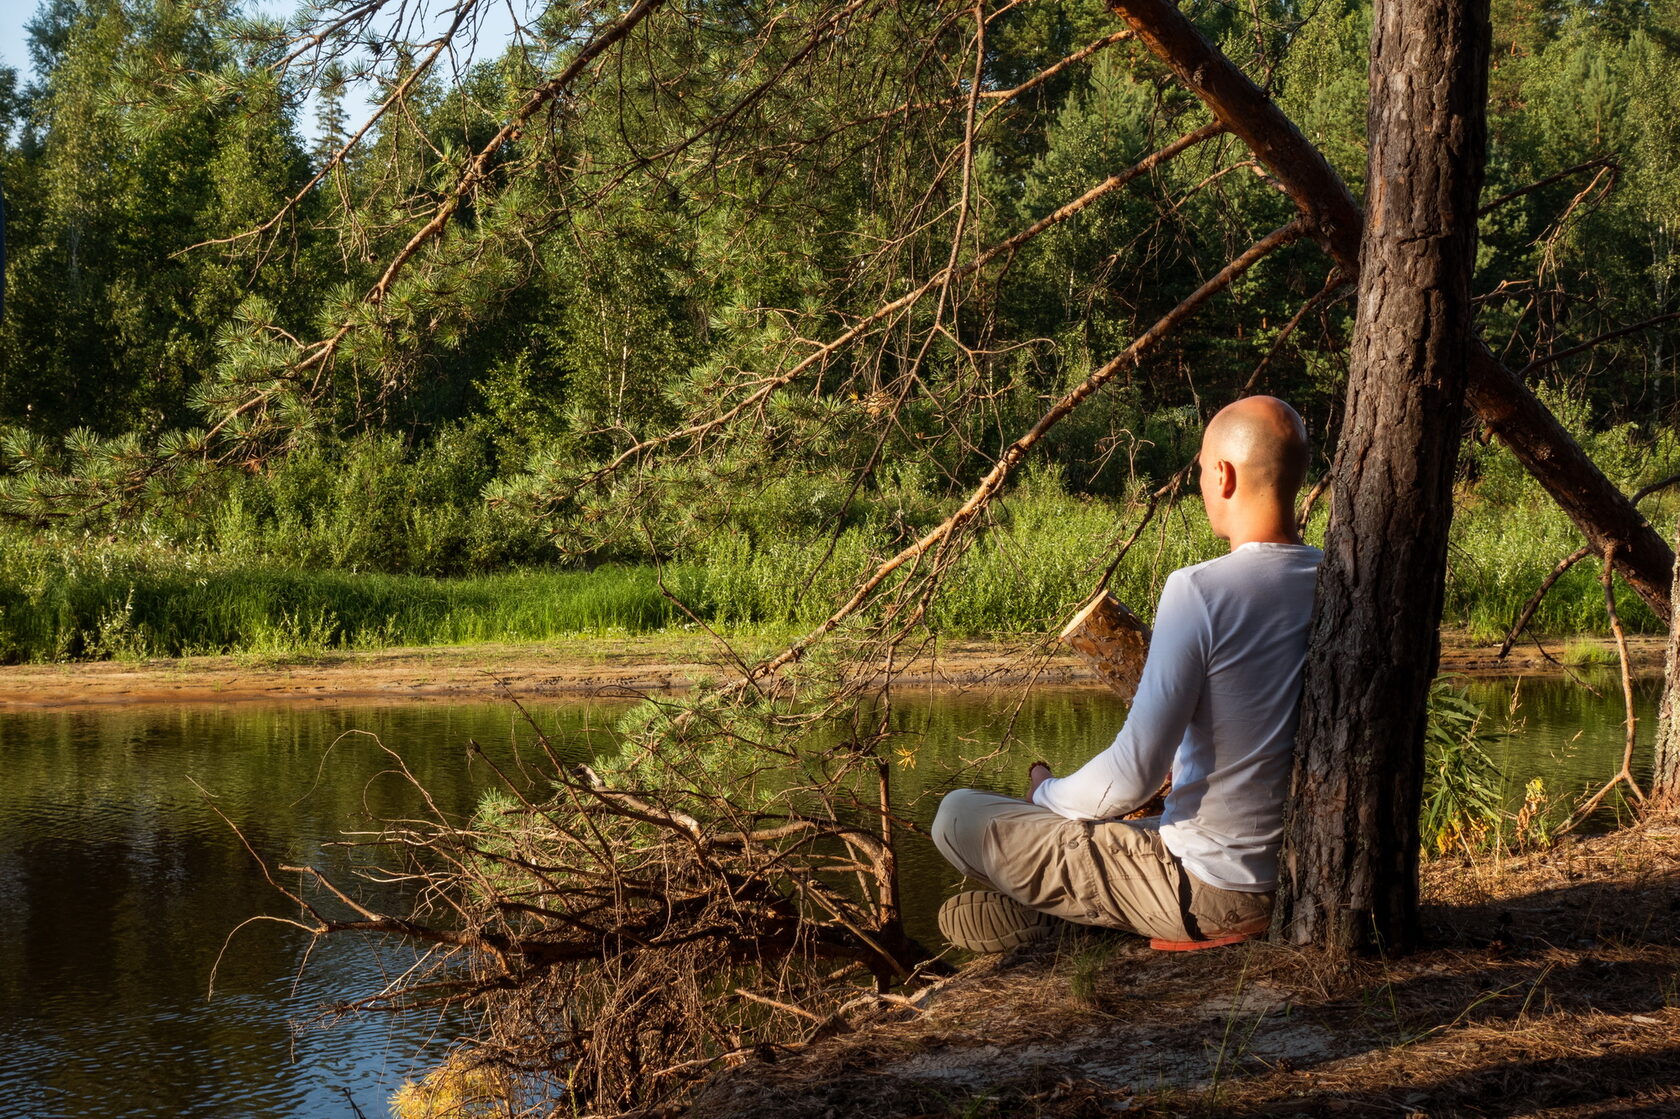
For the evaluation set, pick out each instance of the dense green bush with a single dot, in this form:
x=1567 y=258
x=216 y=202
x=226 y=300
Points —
x=372 y=504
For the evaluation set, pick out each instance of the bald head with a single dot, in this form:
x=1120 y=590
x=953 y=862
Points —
x=1265 y=440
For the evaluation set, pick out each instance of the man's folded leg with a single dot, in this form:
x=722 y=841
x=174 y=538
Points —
x=1106 y=873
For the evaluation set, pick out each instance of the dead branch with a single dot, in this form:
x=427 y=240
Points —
x=1625 y=773
x=1547 y=181
x=1533 y=603
x=1012 y=455
x=1333 y=284
x=1598 y=340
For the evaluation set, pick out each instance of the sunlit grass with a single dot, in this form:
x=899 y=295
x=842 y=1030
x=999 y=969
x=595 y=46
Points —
x=191 y=606
x=1041 y=555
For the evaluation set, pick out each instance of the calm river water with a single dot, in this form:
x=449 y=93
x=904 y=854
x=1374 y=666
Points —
x=119 y=885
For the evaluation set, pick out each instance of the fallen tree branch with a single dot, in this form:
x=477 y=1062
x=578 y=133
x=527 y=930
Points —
x=1333 y=284
x=1605 y=516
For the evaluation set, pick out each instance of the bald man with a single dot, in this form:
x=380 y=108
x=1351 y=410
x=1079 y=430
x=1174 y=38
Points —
x=1216 y=707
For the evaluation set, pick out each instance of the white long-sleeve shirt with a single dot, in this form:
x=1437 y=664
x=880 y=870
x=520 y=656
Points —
x=1217 y=707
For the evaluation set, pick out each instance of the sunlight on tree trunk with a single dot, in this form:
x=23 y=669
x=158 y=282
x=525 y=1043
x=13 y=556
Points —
x=1665 y=774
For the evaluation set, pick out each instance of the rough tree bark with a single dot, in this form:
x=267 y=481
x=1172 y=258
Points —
x=1665 y=775
x=1349 y=875
x=1603 y=513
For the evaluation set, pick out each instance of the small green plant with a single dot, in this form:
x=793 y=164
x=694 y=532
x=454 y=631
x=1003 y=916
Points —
x=1582 y=654
x=1087 y=962
x=1462 y=807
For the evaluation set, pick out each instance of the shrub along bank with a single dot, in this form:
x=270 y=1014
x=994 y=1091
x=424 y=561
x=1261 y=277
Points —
x=66 y=596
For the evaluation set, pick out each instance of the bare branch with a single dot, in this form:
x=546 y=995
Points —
x=1625 y=773
x=1533 y=603
x=1559 y=355
x=1547 y=181
x=1012 y=455
x=769 y=385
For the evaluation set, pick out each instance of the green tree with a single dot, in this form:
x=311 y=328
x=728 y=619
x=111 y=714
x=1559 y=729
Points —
x=110 y=326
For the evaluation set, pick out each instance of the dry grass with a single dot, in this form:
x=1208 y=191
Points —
x=1551 y=988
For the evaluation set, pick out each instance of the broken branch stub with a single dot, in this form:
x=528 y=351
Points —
x=1112 y=640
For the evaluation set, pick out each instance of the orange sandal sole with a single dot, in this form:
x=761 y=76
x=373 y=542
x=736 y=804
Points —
x=1161 y=944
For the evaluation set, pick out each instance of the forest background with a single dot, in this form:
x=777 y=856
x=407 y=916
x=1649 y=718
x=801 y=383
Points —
x=173 y=481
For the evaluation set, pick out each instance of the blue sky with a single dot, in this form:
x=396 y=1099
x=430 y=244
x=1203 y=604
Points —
x=14 y=47
x=14 y=52
x=14 y=44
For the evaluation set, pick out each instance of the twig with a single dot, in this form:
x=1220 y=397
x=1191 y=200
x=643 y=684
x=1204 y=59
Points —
x=1548 y=180
x=1646 y=491
x=1625 y=774
x=1559 y=355
x=1533 y=602
x=787 y=1007
x=1335 y=282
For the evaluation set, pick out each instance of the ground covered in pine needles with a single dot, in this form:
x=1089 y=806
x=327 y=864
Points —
x=1550 y=987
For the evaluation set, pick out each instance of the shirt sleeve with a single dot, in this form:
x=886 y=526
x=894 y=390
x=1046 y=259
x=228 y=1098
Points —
x=1130 y=771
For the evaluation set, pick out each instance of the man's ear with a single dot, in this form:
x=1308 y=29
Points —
x=1224 y=478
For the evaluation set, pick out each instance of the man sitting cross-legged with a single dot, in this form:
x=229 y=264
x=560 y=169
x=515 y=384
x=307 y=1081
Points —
x=1216 y=706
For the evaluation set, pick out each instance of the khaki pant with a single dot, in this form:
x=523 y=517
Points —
x=1113 y=873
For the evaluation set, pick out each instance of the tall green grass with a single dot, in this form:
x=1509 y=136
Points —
x=1507 y=535
x=157 y=592
x=1043 y=554
x=65 y=598
x=187 y=605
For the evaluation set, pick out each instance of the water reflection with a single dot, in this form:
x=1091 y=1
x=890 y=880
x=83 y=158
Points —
x=119 y=884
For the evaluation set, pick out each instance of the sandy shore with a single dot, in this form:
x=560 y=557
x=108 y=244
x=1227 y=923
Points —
x=586 y=666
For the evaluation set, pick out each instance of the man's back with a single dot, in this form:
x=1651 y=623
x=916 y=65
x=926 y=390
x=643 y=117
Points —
x=1217 y=707
x=1224 y=817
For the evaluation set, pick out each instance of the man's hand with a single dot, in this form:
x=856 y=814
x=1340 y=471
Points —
x=1036 y=776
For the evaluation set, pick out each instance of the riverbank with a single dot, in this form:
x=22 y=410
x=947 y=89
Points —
x=1547 y=988
x=625 y=664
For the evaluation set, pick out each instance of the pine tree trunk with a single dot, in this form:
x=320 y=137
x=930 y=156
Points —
x=1349 y=877
x=1665 y=775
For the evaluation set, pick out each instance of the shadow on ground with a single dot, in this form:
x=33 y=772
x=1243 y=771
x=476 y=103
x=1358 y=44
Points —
x=1551 y=987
